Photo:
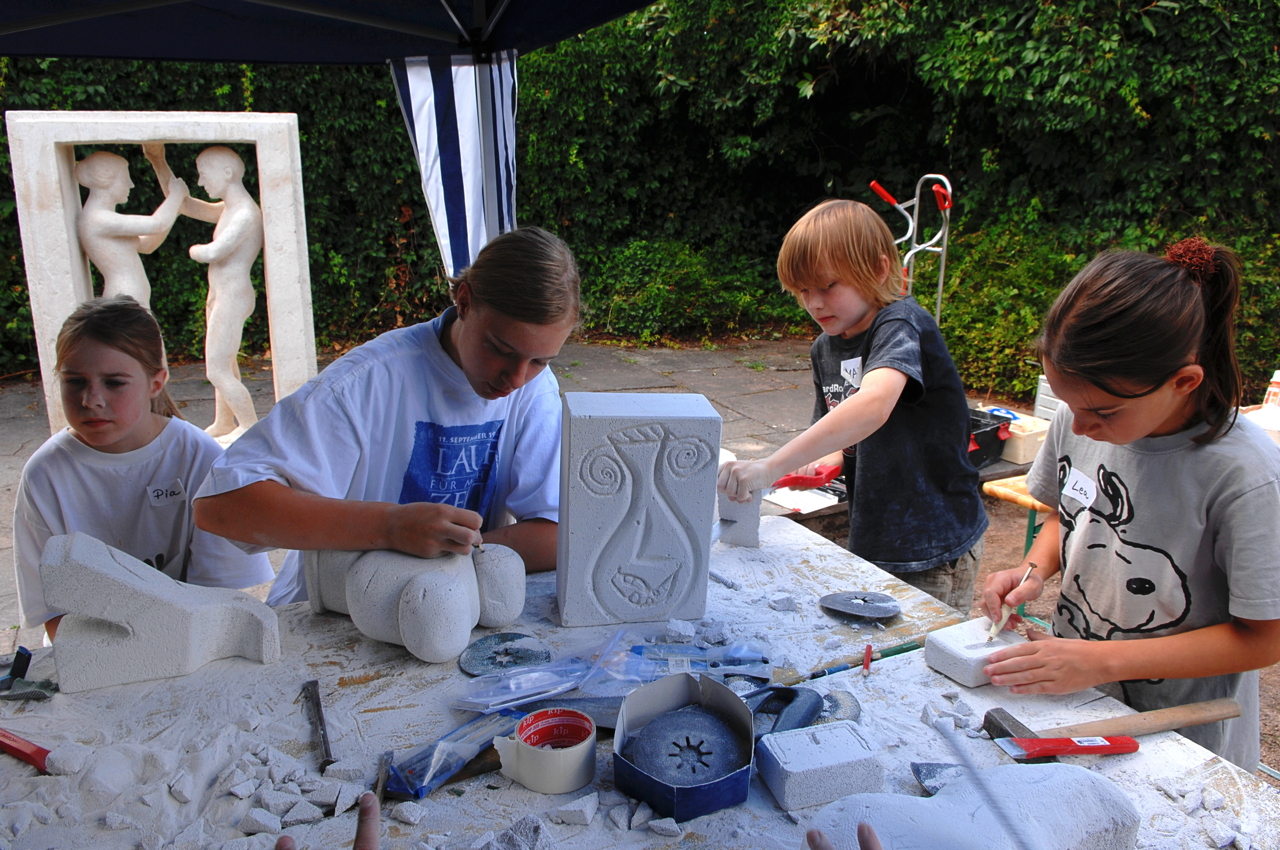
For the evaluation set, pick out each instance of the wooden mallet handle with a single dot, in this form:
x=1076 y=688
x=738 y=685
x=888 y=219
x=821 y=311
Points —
x=1148 y=722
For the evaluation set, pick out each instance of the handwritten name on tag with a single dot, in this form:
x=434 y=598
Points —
x=166 y=494
x=1080 y=488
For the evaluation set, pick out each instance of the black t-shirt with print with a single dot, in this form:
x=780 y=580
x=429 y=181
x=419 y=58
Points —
x=913 y=495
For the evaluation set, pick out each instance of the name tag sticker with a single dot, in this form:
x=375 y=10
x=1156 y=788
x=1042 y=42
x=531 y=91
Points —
x=166 y=494
x=851 y=371
x=1080 y=488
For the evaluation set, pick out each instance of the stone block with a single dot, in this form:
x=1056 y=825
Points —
x=42 y=149
x=960 y=652
x=818 y=764
x=740 y=521
x=127 y=622
x=637 y=501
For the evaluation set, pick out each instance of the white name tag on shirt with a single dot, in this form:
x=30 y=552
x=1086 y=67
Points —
x=166 y=494
x=851 y=371
x=1080 y=488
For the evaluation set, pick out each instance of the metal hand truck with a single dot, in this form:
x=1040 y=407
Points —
x=937 y=244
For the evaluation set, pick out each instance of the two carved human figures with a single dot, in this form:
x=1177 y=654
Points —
x=113 y=241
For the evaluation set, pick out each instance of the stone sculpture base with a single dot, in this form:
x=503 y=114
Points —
x=128 y=622
x=426 y=605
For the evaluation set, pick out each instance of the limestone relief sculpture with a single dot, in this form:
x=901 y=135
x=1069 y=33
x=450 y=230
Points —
x=112 y=241
x=637 y=498
x=236 y=243
x=426 y=605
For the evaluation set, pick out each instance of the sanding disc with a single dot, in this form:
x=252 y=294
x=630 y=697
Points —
x=503 y=651
x=863 y=603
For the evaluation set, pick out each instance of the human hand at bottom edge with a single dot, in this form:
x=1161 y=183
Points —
x=366 y=827
x=867 y=839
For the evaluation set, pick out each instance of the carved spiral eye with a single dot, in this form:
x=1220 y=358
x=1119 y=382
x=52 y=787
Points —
x=1140 y=586
x=687 y=456
x=601 y=471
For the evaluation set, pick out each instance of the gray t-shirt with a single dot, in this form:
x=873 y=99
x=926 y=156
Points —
x=1164 y=536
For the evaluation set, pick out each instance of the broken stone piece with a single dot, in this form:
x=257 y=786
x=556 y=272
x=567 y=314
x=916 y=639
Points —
x=679 y=631
x=580 y=812
x=644 y=814
x=348 y=795
x=114 y=820
x=127 y=622
x=528 y=833
x=182 y=787
x=67 y=759
x=302 y=812
x=349 y=770
x=277 y=802
x=1212 y=799
x=619 y=816
x=667 y=827
x=324 y=794
x=408 y=812
x=783 y=602
x=1220 y=835
x=259 y=820
x=245 y=789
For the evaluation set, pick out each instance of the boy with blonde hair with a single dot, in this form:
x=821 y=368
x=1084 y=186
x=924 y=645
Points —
x=890 y=407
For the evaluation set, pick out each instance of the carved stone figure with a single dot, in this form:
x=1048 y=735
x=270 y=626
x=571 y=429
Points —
x=237 y=240
x=112 y=241
x=426 y=605
x=128 y=622
x=637 y=491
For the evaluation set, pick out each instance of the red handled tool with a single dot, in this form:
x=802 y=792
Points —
x=1032 y=748
x=21 y=748
x=822 y=476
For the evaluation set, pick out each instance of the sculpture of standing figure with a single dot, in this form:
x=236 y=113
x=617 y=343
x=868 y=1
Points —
x=237 y=240
x=113 y=240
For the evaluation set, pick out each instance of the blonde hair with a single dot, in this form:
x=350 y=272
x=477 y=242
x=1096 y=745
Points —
x=845 y=239
x=121 y=323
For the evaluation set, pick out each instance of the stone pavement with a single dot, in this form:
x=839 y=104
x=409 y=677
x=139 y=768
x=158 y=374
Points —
x=762 y=389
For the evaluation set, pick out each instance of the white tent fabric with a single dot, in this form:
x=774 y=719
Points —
x=461 y=116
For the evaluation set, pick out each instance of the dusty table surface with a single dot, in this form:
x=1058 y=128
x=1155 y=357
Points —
x=378 y=697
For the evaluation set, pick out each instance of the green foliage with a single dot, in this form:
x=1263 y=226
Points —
x=651 y=290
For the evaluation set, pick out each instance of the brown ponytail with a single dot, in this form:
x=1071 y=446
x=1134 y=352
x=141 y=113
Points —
x=527 y=274
x=1129 y=321
x=121 y=323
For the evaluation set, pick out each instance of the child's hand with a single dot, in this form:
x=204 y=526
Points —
x=738 y=479
x=428 y=530
x=1002 y=588
x=1049 y=665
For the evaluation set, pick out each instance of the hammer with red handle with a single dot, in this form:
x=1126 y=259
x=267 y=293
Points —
x=999 y=723
x=23 y=749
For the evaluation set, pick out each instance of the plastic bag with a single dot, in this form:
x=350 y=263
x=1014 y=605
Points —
x=426 y=769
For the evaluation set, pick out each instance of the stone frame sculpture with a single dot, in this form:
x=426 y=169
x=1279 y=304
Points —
x=42 y=152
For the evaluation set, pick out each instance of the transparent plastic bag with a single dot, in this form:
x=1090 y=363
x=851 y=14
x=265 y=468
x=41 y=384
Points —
x=426 y=768
x=510 y=688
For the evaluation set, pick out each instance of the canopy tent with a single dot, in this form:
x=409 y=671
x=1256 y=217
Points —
x=454 y=63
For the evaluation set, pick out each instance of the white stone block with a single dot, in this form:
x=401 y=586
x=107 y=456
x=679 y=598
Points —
x=961 y=651
x=818 y=764
x=637 y=500
x=42 y=152
x=127 y=622
x=740 y=521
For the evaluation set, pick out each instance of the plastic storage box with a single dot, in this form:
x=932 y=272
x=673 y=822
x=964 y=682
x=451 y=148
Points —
x=987 y=433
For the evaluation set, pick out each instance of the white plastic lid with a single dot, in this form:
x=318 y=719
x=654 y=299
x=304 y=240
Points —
x=1275 y=379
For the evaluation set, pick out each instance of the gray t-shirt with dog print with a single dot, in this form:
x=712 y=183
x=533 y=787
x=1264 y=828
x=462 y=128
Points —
x=1164 y=536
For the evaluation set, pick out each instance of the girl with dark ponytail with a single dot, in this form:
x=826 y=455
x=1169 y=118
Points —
x=1167 y=505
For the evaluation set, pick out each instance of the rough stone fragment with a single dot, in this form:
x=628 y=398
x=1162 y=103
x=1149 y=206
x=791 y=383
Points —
x=783 y=602
x=408 y=812
x=528 y=833
x=1192 y=801
x=667 y=827
x=644 y=814
x=484 y=842
x=245 y=789
x=67 y=759
x=114 y=820
x=127 y=622
x=581 y=811
x=259 y=820
x=324 y=794
x=637 y=492
x=290 y=788
x=1212 y=800
x=818 y=764
x=302 y=812
x=1219 y=835
x=348 y=795
x=960 y=652
x=182 y=787
x=349 y=770
x=277 y=802
x=619 y=816
x=191 y=838
x=679 y=631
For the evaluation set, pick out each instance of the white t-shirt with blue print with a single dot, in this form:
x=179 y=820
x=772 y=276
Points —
x=395 y=420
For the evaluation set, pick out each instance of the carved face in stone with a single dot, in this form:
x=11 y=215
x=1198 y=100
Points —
x=218 y=168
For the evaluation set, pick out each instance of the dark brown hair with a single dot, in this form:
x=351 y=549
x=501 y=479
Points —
x=527 y=274
x=121 y=323
x=1129 y=321
x=847 y=239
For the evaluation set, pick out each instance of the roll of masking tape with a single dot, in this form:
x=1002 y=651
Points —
x=553 y=751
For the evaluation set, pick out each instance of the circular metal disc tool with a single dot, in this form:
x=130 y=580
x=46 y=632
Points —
x=863 y=603
x=503 y=651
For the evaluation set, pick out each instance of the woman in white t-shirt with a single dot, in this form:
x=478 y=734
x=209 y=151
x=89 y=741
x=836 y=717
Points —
x=125 y=468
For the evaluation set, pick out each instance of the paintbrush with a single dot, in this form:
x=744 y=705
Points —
x=1005 y=611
